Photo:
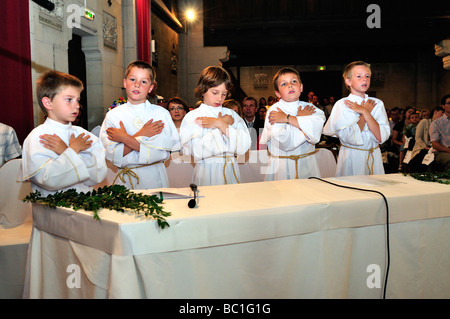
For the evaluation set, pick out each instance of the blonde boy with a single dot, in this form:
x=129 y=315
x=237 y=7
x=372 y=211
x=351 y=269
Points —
x=58 y=155
x=360 y=123
x=138 y=136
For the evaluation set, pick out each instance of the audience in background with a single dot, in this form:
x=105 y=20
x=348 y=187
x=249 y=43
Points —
x=234 y=105
x=262 y=102
x=262 y=111
x=422 y=141
x=329 y=106
x=270 y=101
x=254 y=123
x=424 y=114
x=397 y=134
x=177 y=109
x=440 y=137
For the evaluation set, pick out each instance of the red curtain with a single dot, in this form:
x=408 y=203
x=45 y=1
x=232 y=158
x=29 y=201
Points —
x=144 y=27
x=16 y=106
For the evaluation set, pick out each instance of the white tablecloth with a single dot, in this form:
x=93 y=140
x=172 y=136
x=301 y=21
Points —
x=283 y=239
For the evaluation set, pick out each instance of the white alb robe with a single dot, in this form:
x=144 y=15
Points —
x=359 y=153
x=213 y=152
x=284 y=140
x=50 y=172
x=147 y=165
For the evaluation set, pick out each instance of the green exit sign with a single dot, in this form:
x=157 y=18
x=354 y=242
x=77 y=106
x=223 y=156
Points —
x=89 y=14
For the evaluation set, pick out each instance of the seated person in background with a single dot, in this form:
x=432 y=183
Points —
x=57 y=155
x=397 y=134
x=425 y=114
x=178 y=109
x=270 y=101
x=262 y=111
x=440 y=137
x=409 y=139
x=291 y=130
x=254 y=123
x=409 y=131
x=422 y=141
x=234 y=105
x=262 y=102
x=394 y=117
x=9 y=144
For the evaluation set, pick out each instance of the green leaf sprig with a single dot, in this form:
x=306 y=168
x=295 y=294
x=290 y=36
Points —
x=114 y=197
x=439 y=177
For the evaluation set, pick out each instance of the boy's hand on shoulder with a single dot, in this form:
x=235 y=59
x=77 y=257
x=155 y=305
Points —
x=220 y=122
x=308 y=110
x=209 y=122
x=151 y=128
x=277 y=116
x=227 y=118
x=117 y=134
x=369 y=105
x=53 y=143
x=361 y=108
x=80 y=143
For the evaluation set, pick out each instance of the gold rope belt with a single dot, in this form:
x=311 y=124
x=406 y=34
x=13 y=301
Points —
x=370 y=150
x=227 y=159
x=130 y=173
x=295 y=158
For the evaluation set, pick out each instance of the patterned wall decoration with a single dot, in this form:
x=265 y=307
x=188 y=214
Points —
x=54 y=18
x=109 y=31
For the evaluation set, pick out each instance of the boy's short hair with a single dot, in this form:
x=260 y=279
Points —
x=52 y=82
x=347 y=74
x=444 y=98
x=283 y=71
x=141 y=65
x=250 y=98
x=212 y=76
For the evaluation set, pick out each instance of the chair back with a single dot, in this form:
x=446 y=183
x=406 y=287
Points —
x=13 y=211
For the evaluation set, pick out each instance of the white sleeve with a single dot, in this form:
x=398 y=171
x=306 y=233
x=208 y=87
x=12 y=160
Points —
x=113 y=150
x=380 y=115
x=94 y=160
x=57 y=172
x=343 y=123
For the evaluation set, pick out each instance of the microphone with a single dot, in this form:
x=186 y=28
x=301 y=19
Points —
x=193 y=202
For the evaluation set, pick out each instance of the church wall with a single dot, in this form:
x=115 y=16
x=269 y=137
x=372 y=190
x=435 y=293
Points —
x=102 y=43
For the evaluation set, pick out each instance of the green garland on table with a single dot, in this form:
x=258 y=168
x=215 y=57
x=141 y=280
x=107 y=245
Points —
x=114 y=197
x=439 y=177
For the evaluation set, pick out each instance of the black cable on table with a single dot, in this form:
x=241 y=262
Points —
x=387 y=224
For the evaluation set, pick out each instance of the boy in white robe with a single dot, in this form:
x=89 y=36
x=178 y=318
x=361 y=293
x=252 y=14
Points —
x=360 y=123
x=57 y=155
x=291 y=130
x=138 y=136
x=212 y=134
